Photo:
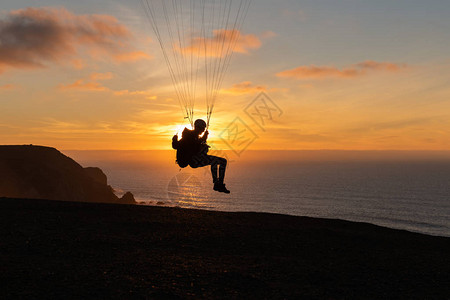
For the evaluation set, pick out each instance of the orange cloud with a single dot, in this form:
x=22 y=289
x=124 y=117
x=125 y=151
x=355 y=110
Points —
x=33 y=37
x=132 y=56
x=7 y=87
x=78 y=64
x=217 y=45
x=146 y=94
x=82 y=85
x=245 y=87
x=383 y=66
x=101 y=76
x=356 y=70
x=90 y=84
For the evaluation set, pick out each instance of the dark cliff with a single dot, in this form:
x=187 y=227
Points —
x=45 y=173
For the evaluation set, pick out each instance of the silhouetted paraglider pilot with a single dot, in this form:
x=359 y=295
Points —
x=192 y=151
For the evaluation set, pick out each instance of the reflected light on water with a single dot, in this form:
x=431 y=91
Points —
x=187 y=190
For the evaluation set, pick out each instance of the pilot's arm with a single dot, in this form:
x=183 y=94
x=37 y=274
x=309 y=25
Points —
x=204 y=137
x=175 y=142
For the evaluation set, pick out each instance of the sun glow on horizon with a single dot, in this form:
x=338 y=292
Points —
x=80 y=77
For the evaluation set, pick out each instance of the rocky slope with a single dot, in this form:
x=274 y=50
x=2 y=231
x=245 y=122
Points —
x=45 y=173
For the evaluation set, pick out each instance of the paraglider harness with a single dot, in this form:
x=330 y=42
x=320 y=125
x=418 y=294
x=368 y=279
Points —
x=188 y=147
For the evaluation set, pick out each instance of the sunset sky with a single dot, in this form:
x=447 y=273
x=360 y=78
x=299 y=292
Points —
x=346 y=75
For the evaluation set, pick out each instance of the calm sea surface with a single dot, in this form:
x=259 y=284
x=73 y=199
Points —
x=406 y=195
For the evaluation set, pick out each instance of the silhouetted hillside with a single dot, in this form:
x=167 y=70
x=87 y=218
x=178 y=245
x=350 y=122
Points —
x=45 y=173
x=67 y=250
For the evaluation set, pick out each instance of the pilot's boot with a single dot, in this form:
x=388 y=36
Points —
x=220 y=187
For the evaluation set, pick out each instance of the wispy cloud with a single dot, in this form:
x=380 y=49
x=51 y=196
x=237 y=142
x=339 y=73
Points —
x=354 y=71
x=131 y=56
x=81 y=85
x=217 y=45
x=268 y=34
x=56 y=126
x=245 y=87
x=92 y=83
x=101 y=76
x=7 y=87
x=33 y=37
x=89 y=84
x=78 y=63
x=147 y=94
x=298 y=15
x=395 y=125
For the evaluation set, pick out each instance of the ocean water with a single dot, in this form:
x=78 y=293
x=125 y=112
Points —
x=409 y=195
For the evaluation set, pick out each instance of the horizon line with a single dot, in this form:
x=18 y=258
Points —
x=298 y=150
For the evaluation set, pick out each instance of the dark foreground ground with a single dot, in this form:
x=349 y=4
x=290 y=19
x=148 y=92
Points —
x=76 y=250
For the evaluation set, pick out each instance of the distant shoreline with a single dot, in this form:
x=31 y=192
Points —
x=58 y=249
